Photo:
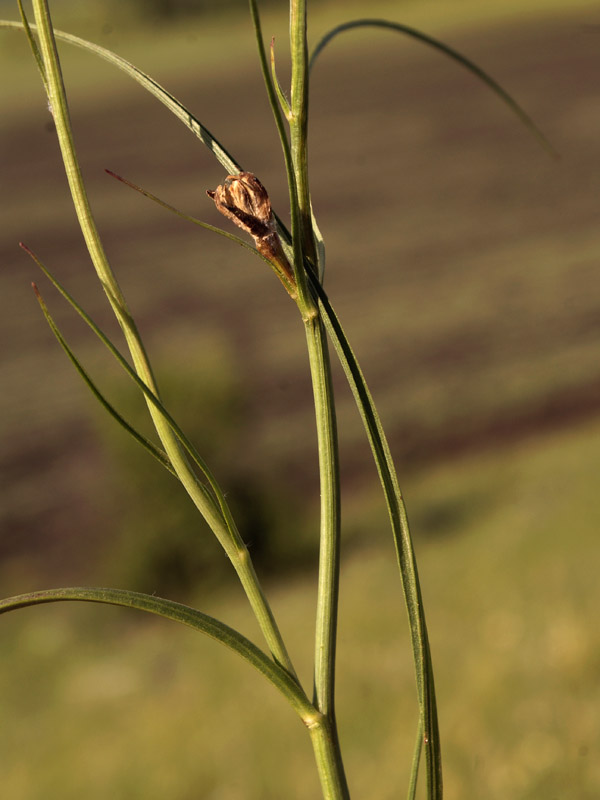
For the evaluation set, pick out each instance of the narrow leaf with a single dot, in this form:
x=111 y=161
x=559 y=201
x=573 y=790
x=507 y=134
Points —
x=414 y=772
x=320 y=246
x=401 y=533
x=180 y=111
x=187 y=217
x=285 y=106
x=448 y=51
x=142 y=386
x=154 y=451
x=34 y=47
x=167 y=99
x=294 y=253
x=185 y=615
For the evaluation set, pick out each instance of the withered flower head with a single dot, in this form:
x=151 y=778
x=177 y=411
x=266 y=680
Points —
x=244 y=200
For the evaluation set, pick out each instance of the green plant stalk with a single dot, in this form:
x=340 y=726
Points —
x=305 y=301
x=321 y=376
x=428 y=724
x=324 y=736
x=325 y=741
x=328 y=754
x=299 y=121
x=227 y=535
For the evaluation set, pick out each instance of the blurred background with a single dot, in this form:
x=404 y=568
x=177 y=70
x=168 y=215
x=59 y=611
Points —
x=463 y=263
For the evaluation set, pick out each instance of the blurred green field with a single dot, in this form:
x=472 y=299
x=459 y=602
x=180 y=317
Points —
x=96 y=704
x=464 y=265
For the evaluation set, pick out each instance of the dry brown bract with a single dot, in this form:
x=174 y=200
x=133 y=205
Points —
x=244 y=200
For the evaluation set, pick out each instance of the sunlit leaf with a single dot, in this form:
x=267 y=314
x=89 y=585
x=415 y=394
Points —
x=413 y=33
x=186 y=615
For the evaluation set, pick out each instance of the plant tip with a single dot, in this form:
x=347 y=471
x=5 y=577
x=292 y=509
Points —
x=118 y=177
x=29 y=251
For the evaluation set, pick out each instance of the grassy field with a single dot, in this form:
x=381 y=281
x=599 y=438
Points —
x=104 y=706
x=463 y=262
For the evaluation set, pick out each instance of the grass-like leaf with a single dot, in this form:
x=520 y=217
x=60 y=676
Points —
x=154 y=451
x=185 y=615
x=402 y=538
x=180 y=111
x=35 y=50
x=232 y=237
x=294 y=252
x=201 y=224
x=149 y=394
x=285 y=106
x=448 y=51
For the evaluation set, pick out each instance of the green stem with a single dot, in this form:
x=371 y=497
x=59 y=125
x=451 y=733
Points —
x=320 y=367
x=299 y=121
x=329 y=558
x=223 y=528
x=402 y=540
x=305 y=300
x=325 y=737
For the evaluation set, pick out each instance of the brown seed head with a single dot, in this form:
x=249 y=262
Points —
x=244 y=200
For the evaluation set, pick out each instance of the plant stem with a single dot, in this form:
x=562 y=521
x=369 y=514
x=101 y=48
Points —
x=325 y=737
x=327 y=596
x=223 y=528
x=299 y=120
x=329 y=763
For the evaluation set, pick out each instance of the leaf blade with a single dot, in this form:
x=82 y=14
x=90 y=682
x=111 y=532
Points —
x=186 y=615
x=446 y=50
x=402 y=539
x=189 y=447
x=149 y=446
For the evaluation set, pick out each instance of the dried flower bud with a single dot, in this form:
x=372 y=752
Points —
x=244 y=200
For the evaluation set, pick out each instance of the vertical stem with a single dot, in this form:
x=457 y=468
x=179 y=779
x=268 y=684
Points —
x=329 y=559
x=299 y=121
x=226 y=533
x=325 y=741
x=323 y=735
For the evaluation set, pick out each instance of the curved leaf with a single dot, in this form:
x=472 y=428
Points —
x=35 y=50
x=154 y=451
x=180 y=111
x=402 y=538
x=319 y=246
x=186 y=615
x=189 y=447
x=179 y=213
x=285 y=106
x=167 y=99
x=448 y=51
